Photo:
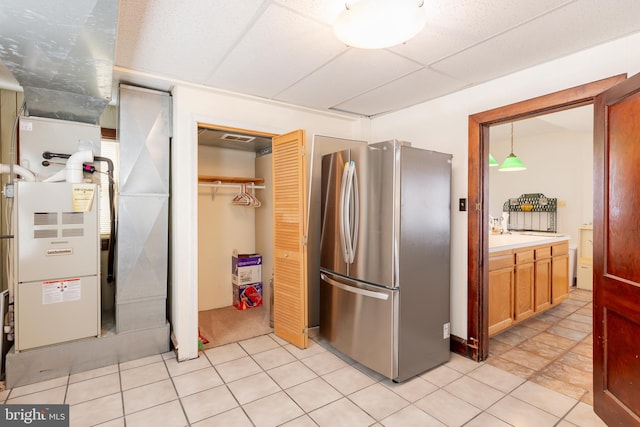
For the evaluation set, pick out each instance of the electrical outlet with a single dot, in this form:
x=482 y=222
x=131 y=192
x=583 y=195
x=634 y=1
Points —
x=8 y=191
x=462 y=205
x=446 y=330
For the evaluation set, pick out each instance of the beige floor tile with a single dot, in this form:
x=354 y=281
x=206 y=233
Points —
x=225 y=353
x=253 y=387
x=323 y=363
x=582 y=415
x=524 y=330
x=496 y=378
x=36 y=387
x=580 y=316
x=578 y=361
x=146 y=396
x=565 y=423
x=233 y=418
x=93 y=388
x=510 y=338
x=348 y=380
x=411 y=416
x=312 y=349
x=118 y=422
x=273 y=358
x=584 y=349
x=538 y=325
x=554 y=340
x=375 y=376
x=441 y=375
x=197 y=381
x=291 y=374
x=576 y=326
x=508 y=366
x=45 y=397
x=486 y=420
x=278 y=339
x=541 y=349
x=141 y=362
x=142 y=375
x=94 y=373
x=341 y=413
x=176 y=368
x=4 y=394
x=526 y=358
x=496 y=348
x=378 y=401
x=313 y=394
x=521 y=414
x=96 y=411
x=258 y=344
x=239 y=368
x=569 y=375
x=303 y=421
x=462 y=364
x=208 y=403
x=558 y=385
x=167 y=414
x=411 y=390
x=474 y=392
x=541 y=397
x=447 y=408
x=272 y=410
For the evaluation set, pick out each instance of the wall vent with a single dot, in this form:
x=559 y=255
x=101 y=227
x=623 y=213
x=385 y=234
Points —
x=237 y=138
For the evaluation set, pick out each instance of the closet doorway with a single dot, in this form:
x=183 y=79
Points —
x=235 y=214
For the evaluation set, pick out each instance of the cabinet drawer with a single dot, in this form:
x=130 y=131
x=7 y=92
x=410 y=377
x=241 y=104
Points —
x=543 y=253
x=500 y=261
x=524 y=256
x=560 y=249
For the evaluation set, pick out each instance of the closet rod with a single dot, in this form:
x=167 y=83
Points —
x=219 y=184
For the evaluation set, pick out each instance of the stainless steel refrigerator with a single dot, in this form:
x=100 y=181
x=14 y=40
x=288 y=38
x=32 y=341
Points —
x=385 y=256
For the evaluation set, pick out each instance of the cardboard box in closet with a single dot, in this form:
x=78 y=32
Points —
x=246 y=278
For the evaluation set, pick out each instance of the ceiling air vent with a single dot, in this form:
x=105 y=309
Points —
x=237 y=138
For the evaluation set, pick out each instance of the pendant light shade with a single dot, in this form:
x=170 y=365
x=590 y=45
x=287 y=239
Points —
x=377 y=24
x=512 y=163
x=492 y=161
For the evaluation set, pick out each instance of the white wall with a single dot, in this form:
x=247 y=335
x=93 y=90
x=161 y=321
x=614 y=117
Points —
x=192 y=104
x=442 y=125
x=222 y=226
x=559 y=164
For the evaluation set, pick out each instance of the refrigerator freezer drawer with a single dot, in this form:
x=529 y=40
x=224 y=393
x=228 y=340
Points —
x=359 y=320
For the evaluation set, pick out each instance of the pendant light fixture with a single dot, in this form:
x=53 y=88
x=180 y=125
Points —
x=492 y=161
x=377 y=24
x=512 y=163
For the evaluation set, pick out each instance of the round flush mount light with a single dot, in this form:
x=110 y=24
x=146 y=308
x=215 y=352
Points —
x=377 y=24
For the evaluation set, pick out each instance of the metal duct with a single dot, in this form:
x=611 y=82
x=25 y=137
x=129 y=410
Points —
x=61 y=53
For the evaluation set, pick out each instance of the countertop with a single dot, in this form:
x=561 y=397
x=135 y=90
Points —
x=515 y=240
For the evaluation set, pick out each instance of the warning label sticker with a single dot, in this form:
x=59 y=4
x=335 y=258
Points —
x=65 y=290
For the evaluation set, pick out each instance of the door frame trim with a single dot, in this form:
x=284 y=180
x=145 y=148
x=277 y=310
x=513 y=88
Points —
x=477 y=344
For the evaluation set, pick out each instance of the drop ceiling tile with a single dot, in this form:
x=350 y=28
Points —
x=325 y=11
x=280 y=49
x=185 y=41
x=575 y=27
x=409 y=90
x=455 y=25
x=356 y=72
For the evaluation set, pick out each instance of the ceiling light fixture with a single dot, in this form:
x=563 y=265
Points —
x=512 y=163
x=377 y=24
x=492 y=161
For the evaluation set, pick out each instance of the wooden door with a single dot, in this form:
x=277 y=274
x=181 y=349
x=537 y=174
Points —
x=616 y=254
x=290 y=313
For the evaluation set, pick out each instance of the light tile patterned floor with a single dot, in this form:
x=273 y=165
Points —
x=553 y=349
x=264 y=381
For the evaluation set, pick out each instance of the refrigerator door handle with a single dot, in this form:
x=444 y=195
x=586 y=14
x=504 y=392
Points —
x=342 y=214
x=353 y=289
x=356 y=215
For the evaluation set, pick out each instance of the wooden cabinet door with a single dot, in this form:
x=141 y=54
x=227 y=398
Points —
x=523 y=291
x=500 y=299
x=290 y=311
x=542 y=284
x=559 y=278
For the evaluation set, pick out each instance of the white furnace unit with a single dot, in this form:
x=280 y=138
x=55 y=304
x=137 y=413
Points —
x=57 y=263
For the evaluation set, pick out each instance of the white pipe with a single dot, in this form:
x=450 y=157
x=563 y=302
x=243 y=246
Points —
x=74 y=165
x=59 y=176
x=25 y=173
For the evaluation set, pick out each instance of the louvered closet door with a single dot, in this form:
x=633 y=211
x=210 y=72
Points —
x=290 y=251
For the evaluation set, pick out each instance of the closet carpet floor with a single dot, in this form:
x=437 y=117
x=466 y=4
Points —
x=228 y=324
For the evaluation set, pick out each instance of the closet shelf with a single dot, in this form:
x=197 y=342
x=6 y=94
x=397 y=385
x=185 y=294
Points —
x=204 y=179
